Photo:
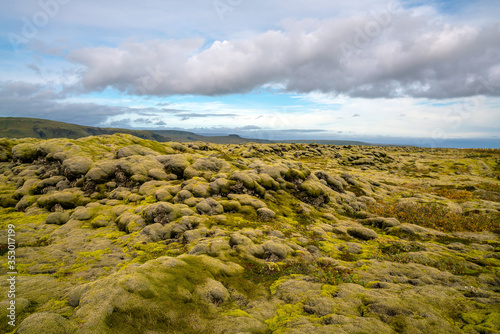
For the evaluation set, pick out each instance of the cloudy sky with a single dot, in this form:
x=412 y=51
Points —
x=273 y=69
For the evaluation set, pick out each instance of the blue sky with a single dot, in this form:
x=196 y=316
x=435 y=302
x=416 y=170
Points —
x=268 y=69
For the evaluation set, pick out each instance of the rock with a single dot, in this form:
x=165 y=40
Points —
x=231 y=206
x=25 y=152
x=194 y=235
x=77 y=166
x=266 y=214
x=175 y=163
x=351 y=247
x=155 y=232
x=279 y=250
x=362 y=233
x=57 y=218
x=128 y=151
x=213 y=292
x=46 y=323
x=130 y=222
x=381 y=222
x=277 y=234
x=209 y=207
x=239 y=239
x=161 y=212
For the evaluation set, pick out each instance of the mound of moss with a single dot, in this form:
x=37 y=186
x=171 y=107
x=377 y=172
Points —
x=117 y=234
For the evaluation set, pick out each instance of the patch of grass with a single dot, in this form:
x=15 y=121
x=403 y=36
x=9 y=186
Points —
x=153 y=251
x=449 y=239
x=268 y=273
x=454 y=194
x=436 y=216
x=452 y=265
x=489 y=186
x=393 y=247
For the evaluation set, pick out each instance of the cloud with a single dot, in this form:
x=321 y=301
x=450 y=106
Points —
x=35 y=68
x=303 y=130
x=21 y=99
x=380 y=55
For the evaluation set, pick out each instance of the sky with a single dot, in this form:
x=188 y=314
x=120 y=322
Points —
x=380 y=70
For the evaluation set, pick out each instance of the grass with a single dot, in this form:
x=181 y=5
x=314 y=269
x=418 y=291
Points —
x=393 y=247
x=454 y=194
x=436 y=216
x=450 y=264
x=327 y=274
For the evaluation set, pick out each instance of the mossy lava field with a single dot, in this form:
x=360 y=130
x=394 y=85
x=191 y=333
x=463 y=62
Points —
x=116 y=234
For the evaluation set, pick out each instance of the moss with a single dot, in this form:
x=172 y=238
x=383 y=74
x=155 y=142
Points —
x=46 y=323
x=328 y=290
x=77 y=166
x=58 y=218
x=25 y=152
x=236 y=313
x=362 y=233
x=67 y=199
x=101 y=221
x=135 y=150
x=248 y=200
x=175 y=163
x=266 y=214
x=210 y=207
x=284 y=315
x=231 y=206
x=473 y=318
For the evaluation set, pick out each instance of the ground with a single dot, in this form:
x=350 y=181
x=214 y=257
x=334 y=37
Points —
x=117 y=234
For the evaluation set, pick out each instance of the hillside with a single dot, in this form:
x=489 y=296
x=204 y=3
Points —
x=18 y=127
x=118 y=234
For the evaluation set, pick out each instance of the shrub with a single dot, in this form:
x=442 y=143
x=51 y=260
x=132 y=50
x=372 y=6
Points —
x=437 y=216
x=455 y=194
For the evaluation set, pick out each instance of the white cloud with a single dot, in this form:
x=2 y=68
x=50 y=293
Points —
x=381 y=55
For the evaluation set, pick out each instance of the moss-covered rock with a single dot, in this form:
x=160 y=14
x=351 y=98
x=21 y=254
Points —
x=57 y=218
x=209 y=207
x=220 y=186
x=161 y=212
x=77 y=166
x=175 y=163
x=213 y=292
x=248 y=200
x=130 y=222
x=102 y=172
x=362 y=233
x=266 y=214
x=46 y=323
x=67 y=199
x=135 y=150
x=156 y=232
x=231 y=206
x=25 y=152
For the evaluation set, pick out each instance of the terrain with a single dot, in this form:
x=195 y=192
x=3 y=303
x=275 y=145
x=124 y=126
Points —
x=118 y=234
x=19 y=127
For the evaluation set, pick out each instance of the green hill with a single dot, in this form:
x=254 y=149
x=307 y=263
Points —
x=20 y=127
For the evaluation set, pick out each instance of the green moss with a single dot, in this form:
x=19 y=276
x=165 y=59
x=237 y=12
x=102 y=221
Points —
x=285 y=314
x=97 y=254
x=328 y=290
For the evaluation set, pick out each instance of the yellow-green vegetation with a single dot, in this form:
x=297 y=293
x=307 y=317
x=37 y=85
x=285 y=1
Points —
x=118 y=234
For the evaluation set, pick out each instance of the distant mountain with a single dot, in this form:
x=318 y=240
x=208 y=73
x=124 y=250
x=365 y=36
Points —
x=20 y=127
x=328 y=142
